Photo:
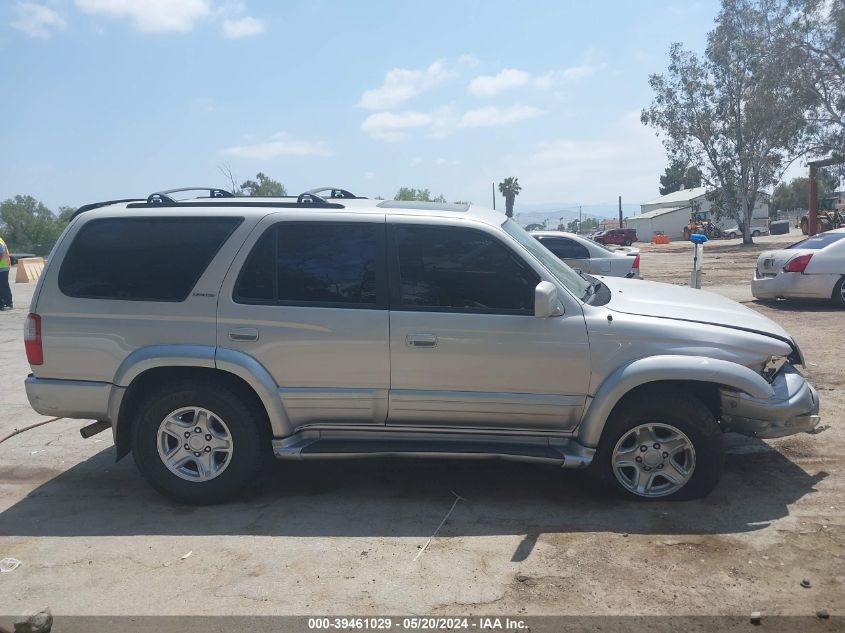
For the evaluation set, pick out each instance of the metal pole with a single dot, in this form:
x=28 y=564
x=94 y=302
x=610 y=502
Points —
x=494 y=196
x=579 y=218
x=813 y=203
x=620 y=212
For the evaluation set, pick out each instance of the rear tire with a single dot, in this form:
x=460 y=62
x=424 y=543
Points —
x=207 y=471
x=688 y=441
x=838 y=295
x=627 y=242
x=755 y=233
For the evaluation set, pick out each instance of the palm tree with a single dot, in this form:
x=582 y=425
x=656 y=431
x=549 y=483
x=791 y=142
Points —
x=510 y=189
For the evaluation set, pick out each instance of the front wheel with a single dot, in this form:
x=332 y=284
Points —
x=839 y=293
x=627 y=242
x=198 y=443
x=755 y=233
x=660 y=447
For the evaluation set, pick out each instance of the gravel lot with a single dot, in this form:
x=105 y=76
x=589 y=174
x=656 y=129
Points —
x=342 y=537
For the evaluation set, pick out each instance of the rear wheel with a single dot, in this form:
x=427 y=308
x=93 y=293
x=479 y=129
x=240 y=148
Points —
x=755 y=233
x=198 y=443
x=660 y=447
x=627 y=242
x=839 y=293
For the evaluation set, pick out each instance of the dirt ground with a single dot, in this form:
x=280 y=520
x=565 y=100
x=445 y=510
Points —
x=343 y=537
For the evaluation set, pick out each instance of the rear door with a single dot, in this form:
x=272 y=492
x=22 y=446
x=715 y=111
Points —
x=466 y=350
x=307 y=298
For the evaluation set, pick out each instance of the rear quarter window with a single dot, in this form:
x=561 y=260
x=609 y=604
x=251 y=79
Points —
x=142 y=259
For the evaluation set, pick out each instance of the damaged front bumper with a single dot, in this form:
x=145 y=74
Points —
x=792 y=408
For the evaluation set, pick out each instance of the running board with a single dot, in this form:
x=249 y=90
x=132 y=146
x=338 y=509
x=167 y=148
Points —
x=331 y=444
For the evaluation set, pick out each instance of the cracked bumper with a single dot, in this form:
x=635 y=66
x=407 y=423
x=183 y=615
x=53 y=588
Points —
x=792 y=408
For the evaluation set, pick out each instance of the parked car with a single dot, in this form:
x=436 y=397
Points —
x=208 y=331
x=624 y=237
x=734 y=232
x=812 y=268
x=590 y=257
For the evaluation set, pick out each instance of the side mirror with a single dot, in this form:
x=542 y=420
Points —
x=546 y=303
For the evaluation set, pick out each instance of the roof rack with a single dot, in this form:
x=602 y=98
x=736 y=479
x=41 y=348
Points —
x=311 y=198
x=164 y=197
x=105 y=203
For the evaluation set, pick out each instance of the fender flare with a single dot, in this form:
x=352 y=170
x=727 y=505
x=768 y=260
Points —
x=662 y=368
x=209 y=357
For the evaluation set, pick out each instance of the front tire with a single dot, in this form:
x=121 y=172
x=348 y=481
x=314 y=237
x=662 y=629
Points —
x=198 y=443
x=659 y=447
x=838 y=295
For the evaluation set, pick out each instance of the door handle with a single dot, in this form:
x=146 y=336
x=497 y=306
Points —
x=243 y=334
x=421 y=340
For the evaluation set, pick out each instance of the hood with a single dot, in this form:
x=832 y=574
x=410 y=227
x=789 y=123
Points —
x=649 y=298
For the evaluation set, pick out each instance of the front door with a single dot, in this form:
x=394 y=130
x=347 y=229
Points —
x=466 y=350
x=310 y=305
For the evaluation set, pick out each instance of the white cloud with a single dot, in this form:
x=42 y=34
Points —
x=509 y=78
x=36 y=20
x=242 y=27
x=579 y=72
x=392 y=126
x=400 y=84
x=489 y=85
x=151 y=15
x=580 y=166
x=495 y=116
x=279 y=145
x=447 y=162
x=415 y=162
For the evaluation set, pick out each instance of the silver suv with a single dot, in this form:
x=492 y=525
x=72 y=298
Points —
x=211 y=332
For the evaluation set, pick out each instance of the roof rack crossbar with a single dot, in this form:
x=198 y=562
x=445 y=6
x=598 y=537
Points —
x=164 y=197
x=237 y=202
x=335 y=192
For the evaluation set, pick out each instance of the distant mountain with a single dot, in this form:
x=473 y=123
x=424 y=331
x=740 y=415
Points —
x=552 y=212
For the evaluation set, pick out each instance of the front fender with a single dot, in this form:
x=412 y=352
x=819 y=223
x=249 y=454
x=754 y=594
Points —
x=662 y=368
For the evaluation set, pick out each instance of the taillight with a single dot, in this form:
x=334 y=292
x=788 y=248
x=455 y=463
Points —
x=636 y=263
x=797 y=264
x=32 y=339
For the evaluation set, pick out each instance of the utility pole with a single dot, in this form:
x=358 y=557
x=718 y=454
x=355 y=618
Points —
x=494 y=196
x=579 y=218
x=620 y=212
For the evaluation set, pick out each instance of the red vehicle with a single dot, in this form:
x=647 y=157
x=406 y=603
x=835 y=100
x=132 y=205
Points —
x=621 y=237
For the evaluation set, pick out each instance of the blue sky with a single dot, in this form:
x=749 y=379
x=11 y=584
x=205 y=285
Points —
x=113 y=98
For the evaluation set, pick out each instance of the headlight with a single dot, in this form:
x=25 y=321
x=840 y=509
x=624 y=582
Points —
x=772 y=366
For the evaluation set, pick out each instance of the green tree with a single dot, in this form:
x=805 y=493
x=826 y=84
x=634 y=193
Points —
x=796 y=193
x=262 y=186
x=409 y=194
x=736 y=111
x=29 y=226
x=679 y=175
x=510 y=189
x=818 y=29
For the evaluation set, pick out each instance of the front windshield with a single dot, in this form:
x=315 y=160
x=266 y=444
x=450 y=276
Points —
x=563 y=273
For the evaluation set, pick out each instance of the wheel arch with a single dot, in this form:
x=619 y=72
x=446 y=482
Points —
x=151 y=367
x=700 y=376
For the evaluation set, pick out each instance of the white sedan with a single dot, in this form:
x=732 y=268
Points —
x=813 y=268
x=590 y=257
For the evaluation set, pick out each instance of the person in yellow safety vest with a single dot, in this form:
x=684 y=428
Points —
x=5 y=267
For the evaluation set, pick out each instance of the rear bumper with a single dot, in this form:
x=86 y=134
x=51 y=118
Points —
x=793 y=285
x=793 y=408
x=81 y=399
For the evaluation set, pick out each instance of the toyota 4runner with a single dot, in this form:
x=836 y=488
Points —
x=212 y=332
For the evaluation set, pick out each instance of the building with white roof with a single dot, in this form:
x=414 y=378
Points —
x=669 y=214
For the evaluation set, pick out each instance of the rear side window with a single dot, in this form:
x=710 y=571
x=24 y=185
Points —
x=449 y=269
x=565 y=248
x=322 y=264
x=818 y=241
x=142 y=259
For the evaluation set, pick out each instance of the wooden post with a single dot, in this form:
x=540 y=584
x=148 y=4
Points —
x=620 y=213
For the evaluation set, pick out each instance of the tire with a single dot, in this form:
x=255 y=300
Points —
x=838 y=295
x=627 y=242
x=658 y=410
x=731 y=235
x=228 y=419
x=755 y=233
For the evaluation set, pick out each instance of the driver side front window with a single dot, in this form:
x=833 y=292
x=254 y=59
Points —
x=452 y=269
